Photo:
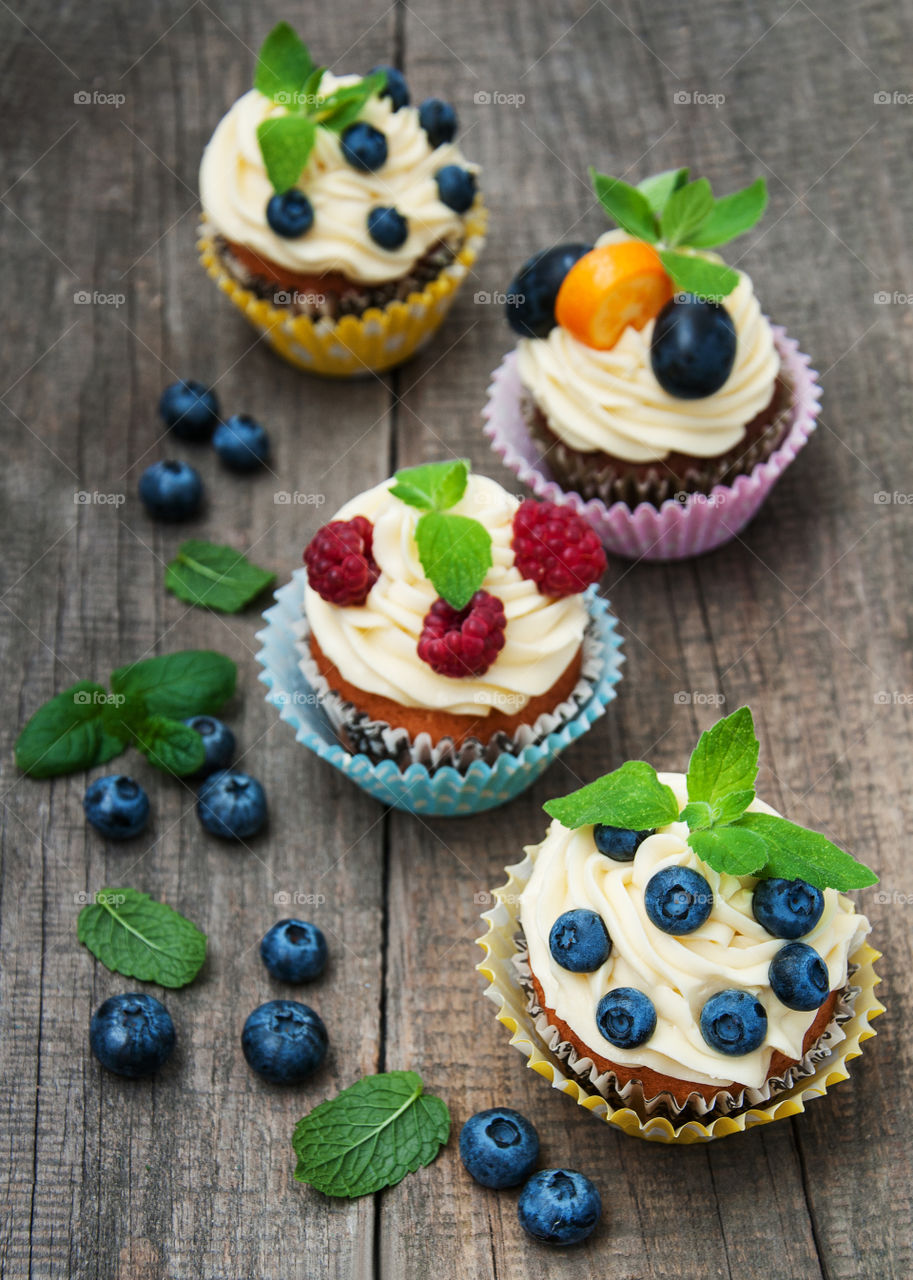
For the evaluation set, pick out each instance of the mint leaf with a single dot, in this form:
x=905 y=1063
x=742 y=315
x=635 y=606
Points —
x=693 y=274
x=625 y=205
x=338 y=110
x=370 y=1135
x=725 y=760
x=191 y=682
x=218 y=577
x=286 y=143
x=632 y=797
x=685 y=210
x=736 y=851
x=732 y=806
x=732 y=216
x=794 y=853
x=283 y=64
x=66 y=733
x=698 y=815
x=132 y=934
x=455 y=553
x=434 y=487
x=659 y=188
x=170 y=745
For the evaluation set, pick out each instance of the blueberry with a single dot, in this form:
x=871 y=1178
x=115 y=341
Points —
x=787 y=908
x=284 y=1041
x=290 y=214
x=189 y=409
x=218 y=740
x=364 y=147
x=116 y=806
x=231 y=805
x=396 y=88
x=678 y=900
x=733 y=1022
x=241 y=443
x=530 y=306
x=499 y=1147
x=387 y=227
x=626 y=1017
x=438 y=119
x=693 y=347
x=131 y=1035
x=294 y=951
x=171 y=490
x=559 y=1206
x=798 y=977
x=456 y=187
x=579 y=941
x=618 y=843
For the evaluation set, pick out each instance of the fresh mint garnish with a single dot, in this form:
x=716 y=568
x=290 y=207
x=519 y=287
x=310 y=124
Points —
x=218 y=577
x=191 y=682
x=455 y=551
x=370 y=1135
x=132 y=934
x=721 y=785
x=659 y=188
x=731 y=216
x=283 y=64
x=170 y=745
x=692 y=274
x=285 y=144
x=67 y=733
x=684 y=211
x=626 y=205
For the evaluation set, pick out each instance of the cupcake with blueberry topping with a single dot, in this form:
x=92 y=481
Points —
x=647 y=382
x=337 y=216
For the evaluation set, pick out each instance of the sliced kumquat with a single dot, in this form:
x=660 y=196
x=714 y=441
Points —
x=609 y=288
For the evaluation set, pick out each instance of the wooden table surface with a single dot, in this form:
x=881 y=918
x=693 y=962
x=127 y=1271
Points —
x=806 y=617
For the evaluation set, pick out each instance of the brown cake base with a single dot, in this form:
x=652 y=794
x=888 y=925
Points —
x=601 y=475
x=444 y=724
x=654 y=1083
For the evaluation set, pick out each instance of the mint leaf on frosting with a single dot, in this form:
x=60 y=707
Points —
x=626 y=205
x=632 y=796
x=684 y=211
x=286 y=143
x=455 y=553
x=659 y=188
x=692 y=274
x=132 y=934
x=433 y=487
x=283 y=64
x=732 y=216
x=794 y=852
x=725 y=761
x=733 y=850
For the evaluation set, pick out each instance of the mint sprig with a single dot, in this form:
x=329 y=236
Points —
x=218 y=577
x=132 y=934
x=721 y=785
x=454 y=550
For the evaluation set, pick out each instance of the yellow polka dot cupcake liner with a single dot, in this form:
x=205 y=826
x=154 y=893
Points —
x=370 y=343
x=507 y=992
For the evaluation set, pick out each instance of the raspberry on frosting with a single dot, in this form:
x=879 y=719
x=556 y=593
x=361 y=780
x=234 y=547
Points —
x=556 y=548
x=340 y=564
x=463 y=642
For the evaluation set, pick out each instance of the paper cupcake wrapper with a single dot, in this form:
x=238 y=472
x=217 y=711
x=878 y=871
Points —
x=677 y=529
x=416 y=789
x=507 y=991
x=370 y=343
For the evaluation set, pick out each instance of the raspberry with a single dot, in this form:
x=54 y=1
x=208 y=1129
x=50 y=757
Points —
x=463 y=642
x=341 y=568
x=556 y=548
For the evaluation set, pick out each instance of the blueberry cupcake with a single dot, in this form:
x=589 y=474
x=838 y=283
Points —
x=686 y=952
x=337 y=216
x=646 y=373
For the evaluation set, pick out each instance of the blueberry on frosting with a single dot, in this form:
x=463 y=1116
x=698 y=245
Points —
x=733 y=1022
x=456 y=187
x=364 y=147
x=290 y=214
x=439 y=121
x=678 y=900
x=693 y=347
x=396 y=88
x=579 y=941
x=618 y=843
x=798 y=977
x=387 y=227
x=787 y=908
x=626 y=1017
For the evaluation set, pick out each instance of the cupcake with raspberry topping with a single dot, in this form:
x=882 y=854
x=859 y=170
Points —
x=337 y=216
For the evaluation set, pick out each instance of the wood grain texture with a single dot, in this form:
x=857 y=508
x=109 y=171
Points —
x=807 y=616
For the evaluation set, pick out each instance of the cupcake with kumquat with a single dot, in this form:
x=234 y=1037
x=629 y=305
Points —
x=647 y=387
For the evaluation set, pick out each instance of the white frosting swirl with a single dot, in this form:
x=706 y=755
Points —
x=234 y=191
x=679 y=974
x=610 y=401
x=374 y=645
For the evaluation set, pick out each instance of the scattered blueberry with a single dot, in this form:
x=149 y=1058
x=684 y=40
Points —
x=499 y=1147
x=618 y=843
x=231 y=805
x=290 y=214
x=294 y=951
x=456 y=187
x=579 y=941
x=559 y=1206
x=364 y=147
x=438 y=119
x=116 y=806
x=530 y=306
x=787 y=908
x=218 y=740
x=396 y=88
x=387 y=227
x=284 y=1041
x=678 y=900
x=241 y=443
x=132 y=1035
x=733 y=1022
x=189 y=409
x=798 y=977
x=171 y=490
x=693 y=347
x=626 y=1017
